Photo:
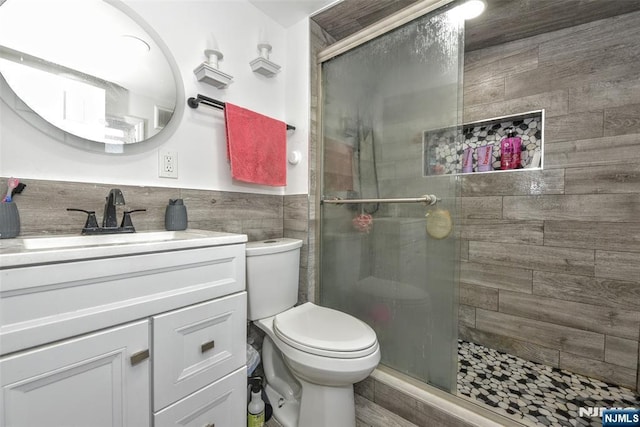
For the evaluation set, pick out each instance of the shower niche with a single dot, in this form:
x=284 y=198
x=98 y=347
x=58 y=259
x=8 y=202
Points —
x=445 y=150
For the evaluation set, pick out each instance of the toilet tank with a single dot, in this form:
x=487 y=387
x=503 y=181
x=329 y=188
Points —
x=272 y=276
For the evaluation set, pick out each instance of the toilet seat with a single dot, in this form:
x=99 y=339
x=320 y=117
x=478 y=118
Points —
x=325 y=332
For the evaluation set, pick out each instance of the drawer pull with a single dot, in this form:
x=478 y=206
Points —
x=210 y=425
x=207 y=346
x=139 y=357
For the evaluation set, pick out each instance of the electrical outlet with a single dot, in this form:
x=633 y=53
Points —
x=168 y=164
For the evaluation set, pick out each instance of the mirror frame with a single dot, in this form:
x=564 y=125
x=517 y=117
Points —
x=13 y=101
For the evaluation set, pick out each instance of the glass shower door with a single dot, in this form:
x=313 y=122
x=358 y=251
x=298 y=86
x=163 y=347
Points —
x=378 y=262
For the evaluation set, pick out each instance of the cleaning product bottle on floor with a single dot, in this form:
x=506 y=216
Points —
x=255 y=415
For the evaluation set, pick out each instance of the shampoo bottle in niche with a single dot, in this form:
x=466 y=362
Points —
x=467 y=160
x=485 y=158
x=510 y=148
x=517 y=150
x=255 y=415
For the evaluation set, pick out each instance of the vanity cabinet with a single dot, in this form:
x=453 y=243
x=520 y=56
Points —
x=142 y=339
x=96 y=380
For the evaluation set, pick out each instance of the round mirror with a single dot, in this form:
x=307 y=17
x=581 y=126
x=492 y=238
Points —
x=91 y=68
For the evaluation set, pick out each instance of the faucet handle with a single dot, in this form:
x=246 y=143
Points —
x=126 y=219
x=92 y=221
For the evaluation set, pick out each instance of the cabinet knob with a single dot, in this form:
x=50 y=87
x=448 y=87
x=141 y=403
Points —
x=207 y=346
x=139 y=357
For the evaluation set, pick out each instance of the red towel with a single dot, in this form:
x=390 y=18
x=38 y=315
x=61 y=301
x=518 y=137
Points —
x=256 y=146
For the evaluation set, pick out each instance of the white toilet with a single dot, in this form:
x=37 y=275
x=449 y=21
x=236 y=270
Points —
x=311 y=355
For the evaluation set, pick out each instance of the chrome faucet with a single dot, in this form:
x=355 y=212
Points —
x=114 y=198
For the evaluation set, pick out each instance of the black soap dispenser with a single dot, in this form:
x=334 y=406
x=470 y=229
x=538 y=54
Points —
x=175 y=217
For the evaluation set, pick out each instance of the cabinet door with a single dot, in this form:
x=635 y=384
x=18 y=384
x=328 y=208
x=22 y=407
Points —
x=197 y=345
x=221 y=404
x=86 y=381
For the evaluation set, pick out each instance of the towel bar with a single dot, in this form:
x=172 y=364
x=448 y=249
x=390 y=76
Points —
x=201 y=99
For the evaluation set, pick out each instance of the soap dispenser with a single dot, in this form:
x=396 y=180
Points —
x=175 y=217
x=510 y=148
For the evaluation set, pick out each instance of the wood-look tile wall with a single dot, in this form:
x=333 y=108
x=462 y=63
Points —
x=295 y=226
x=318 y=40
x=551 y=260
x=384 y=400
x=43 y=204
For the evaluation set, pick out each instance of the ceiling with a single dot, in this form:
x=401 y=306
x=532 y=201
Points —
x=289 y=12
x=501 y=22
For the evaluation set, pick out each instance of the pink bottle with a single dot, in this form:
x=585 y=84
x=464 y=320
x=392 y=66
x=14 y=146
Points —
x=517 y=150
x=485 y=158
x=510 y=148
x=467 y=160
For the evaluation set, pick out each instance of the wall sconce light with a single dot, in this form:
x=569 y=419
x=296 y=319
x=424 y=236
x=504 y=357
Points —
x=208 y=71
x=261 y=64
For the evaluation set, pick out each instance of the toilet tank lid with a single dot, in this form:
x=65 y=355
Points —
x=272 y=246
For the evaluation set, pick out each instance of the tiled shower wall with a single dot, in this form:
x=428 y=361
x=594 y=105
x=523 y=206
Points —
x=318 y=40
x=551 y=259
x=525 y=232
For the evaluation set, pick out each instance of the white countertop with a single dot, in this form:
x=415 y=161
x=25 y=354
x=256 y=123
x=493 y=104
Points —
x=64 y=248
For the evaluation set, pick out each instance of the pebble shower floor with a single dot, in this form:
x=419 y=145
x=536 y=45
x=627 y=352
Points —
x=532 y=392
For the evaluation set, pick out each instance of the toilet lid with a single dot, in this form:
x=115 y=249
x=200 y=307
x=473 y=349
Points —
x=325 y=332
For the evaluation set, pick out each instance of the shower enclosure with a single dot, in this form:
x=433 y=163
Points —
x=378 y=262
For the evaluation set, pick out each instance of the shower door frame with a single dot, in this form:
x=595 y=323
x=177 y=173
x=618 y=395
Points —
x=378 y=29
x=384 y=26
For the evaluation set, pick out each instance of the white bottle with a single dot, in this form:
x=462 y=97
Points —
x=255 y=416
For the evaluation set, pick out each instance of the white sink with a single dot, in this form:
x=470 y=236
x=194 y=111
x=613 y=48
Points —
x=62 y=242
x=64 y=248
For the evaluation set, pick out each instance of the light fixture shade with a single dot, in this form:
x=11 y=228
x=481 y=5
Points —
x=207 y=74
x=265 y=67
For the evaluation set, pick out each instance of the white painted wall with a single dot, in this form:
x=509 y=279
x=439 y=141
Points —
x=185 y=26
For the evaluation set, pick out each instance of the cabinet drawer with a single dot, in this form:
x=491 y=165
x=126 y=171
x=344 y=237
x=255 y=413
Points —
x=50 y=302
x=197 y=345
x=221 y=404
